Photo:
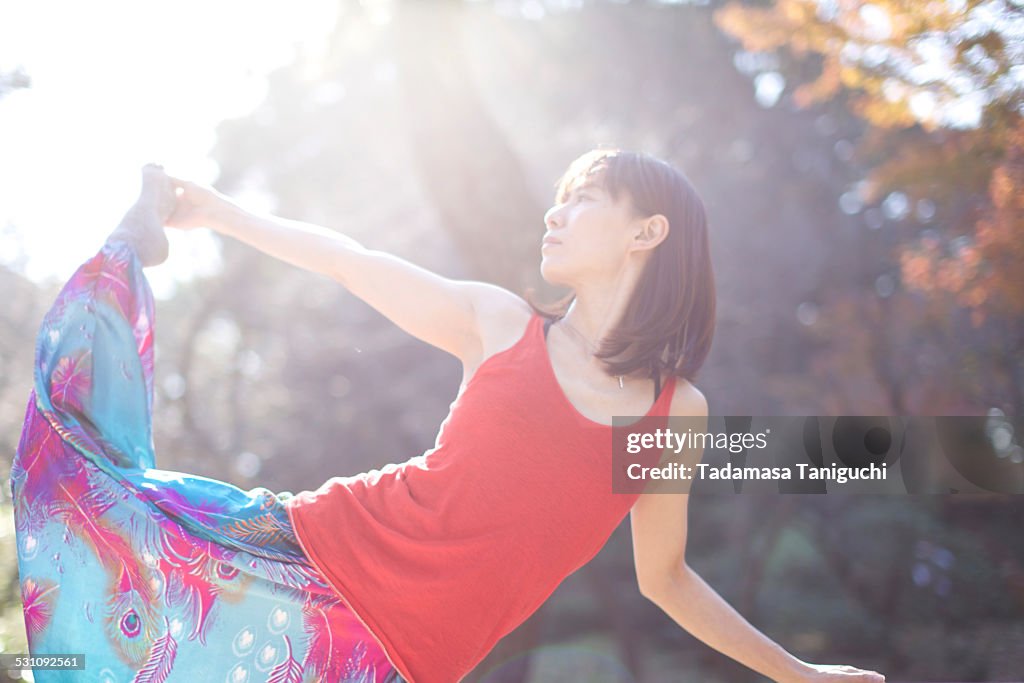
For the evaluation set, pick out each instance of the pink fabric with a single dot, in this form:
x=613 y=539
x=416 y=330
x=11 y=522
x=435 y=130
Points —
x=443 y=555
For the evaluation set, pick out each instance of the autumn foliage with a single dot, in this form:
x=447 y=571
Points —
x=908 y=69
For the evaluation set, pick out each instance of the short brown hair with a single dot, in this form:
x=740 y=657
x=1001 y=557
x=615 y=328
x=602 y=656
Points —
x=669 y=322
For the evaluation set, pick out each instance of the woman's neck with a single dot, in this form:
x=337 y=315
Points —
x=597 y=308
x=589 y=321
x=593 y=323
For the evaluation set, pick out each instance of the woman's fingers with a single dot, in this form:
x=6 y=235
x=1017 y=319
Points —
x=844 y=673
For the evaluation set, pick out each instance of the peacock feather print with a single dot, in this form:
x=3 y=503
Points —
x=130 y=617
x=322 y=618
x=38 y=597
x=289 y=670
x=161 y=659
x=37 y=438
x=152 y=574
x=264 y=529
x=189 y=583
x=287 y=573
x=130 y=612
x=70 y=382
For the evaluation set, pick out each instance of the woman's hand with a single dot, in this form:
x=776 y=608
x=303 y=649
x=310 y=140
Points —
x=834 y=673
x=197 y=206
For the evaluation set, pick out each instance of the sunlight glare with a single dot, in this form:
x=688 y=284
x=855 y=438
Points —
x=108 y=96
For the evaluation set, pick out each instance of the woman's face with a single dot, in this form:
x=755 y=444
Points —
x=588 y=236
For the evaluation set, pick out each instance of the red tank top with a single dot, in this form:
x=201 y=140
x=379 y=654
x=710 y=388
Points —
x=443 y=555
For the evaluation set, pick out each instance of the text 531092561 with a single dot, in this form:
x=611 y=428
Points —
x=56 y=661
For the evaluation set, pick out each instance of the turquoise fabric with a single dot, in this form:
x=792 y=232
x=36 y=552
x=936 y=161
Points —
x=154 y=575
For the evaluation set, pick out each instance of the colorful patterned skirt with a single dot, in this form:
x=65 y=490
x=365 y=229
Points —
x=154 y=575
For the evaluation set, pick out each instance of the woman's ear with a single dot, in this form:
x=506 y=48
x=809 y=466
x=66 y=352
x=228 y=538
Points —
x=651 y=232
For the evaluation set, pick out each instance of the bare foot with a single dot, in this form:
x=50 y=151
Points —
x=143 y=224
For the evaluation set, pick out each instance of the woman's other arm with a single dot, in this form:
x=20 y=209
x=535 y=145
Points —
x=658 y=522
x=437 y=310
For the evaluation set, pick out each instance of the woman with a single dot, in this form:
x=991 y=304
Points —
x=435 y=559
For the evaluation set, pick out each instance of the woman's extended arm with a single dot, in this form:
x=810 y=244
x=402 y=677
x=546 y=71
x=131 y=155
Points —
x=658 y=522
x=433 y=308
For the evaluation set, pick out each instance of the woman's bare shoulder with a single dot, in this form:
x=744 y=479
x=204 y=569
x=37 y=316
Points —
x=688 y=400
x=501 y=318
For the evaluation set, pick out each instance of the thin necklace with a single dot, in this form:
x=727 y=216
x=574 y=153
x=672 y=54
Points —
x=590 y=347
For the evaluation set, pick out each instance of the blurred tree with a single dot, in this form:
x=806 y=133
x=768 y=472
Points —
x=288 y=368
x=941 y=88
x=435 y=131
